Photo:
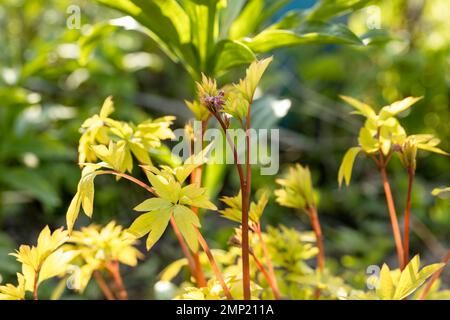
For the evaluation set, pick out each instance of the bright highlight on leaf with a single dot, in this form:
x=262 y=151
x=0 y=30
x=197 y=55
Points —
x=297 y=190
x=382 y=135
x=173 y=200
x=99 y=246
x=345 y=170
x=396 y=285
x=41 y=262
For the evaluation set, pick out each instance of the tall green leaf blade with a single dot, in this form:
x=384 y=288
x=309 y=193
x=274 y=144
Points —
x=32 y=183
x=247 y=21
x=187 y=221
x=156 y=17
x=229 y=54
x=309 y=33
x=326 y=9
x=345 y=170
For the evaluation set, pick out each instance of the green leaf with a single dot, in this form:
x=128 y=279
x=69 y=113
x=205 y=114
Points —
x=385 y=288
x=441 y=192
x=247 y=20
x=90 y=41
x=313 y=32
x=361 y=107
x=345 y=170
x=231 y=53
x=187 y=221
x=154 y=223
x=153 y=204
x=84 y=196
x=426 y=147
x=397 y=107
x=31 y=182
x=172 y=270
x=253 y=74
x=367 y=142
x=326 y=9
x=160 y=19
x=214 y=177
x=411 y=278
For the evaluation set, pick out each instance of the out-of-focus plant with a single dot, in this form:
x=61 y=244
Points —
x=399 y=284
x=100 y=250
x=41 y=262
x=212 y=36
x=298 y=192
x=382 y=137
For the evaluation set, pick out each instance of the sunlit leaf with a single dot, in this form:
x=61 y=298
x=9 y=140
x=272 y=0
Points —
x=346 y=168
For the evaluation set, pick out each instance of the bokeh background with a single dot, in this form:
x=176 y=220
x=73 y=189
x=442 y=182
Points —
x=48 y=85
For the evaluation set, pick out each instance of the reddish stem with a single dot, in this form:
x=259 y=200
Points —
x=214 y=266
x=315 y=223
x=113 y=268
x=406 y=217
x=275 y=289
x=245 y=188
x=103 y=286
x=393 y=216
x=184 y=247
x=196 y=178
x=35 y=286
x=433 y=279
x=245 y=212
x=266 y=275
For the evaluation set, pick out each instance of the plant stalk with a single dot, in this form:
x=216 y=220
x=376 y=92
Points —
x=196 y=178
x=184 y=247
x=113 y=268
x=245 y=206
x=434 y=278
x=393 y=216
x=266 y=275
x=315 y=223
x=268 y=261
x=103 y=286
x=214 y=265
x=406 y=217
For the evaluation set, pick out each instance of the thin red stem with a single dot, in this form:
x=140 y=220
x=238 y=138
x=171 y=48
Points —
x=393 y=216
x=434 y=278
x=103 y=286
x=406 y=218
x=196 y=178
x=214 y=265
x=268 y=261
x=113 y=268
x=245 y=212
x=266 y=275
x=315 y=223
x=245 y=206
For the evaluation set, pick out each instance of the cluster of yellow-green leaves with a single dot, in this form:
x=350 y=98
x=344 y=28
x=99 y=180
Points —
x=297 y=190
x=397 y=284
x=173 y=200
x=382 y=135
x=233 y=99
x=41 y=262
x=233 y=211
x=289 y=250
x=99 y=246
x=73 y=258
x=114 y=143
